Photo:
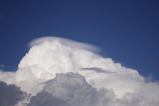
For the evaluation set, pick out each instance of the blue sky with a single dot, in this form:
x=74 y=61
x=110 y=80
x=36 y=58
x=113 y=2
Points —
x=126 y=30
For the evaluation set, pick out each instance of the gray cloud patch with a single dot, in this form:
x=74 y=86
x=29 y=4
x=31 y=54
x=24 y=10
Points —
x=96 y=69
x=70 y=90
x=46 y=99
x=10 y=94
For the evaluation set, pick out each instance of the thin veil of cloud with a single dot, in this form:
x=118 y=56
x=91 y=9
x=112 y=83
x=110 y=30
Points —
x=62 y=72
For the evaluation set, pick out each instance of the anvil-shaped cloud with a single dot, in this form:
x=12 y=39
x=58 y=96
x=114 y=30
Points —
x=62 y=72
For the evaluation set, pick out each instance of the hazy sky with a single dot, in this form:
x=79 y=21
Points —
x=126 y=30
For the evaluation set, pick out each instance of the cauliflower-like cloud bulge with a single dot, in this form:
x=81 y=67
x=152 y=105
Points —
x=72 y=90
x=56 y=70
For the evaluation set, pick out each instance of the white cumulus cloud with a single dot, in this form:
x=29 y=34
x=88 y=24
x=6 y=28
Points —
x=62 y=72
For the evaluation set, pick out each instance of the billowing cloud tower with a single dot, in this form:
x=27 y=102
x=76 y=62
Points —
x=63 y=72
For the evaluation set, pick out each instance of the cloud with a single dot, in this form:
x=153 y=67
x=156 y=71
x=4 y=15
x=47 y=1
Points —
x=52 y=56
x=57 y=68
x=46 y=99
x=70 y=90
x=10 y=94
x=8 y=77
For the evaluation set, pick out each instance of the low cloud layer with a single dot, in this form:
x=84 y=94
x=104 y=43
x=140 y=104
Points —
x=70 y=90
x=63 y=72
